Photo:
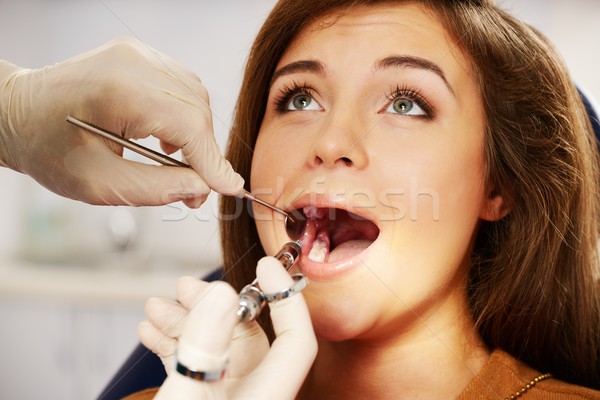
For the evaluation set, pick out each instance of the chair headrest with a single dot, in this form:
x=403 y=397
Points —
x=592 y=111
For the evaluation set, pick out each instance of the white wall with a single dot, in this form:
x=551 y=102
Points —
x=574 y=27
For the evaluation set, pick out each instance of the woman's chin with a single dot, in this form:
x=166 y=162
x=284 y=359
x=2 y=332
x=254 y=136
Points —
x=338 y=319
x=335 y=330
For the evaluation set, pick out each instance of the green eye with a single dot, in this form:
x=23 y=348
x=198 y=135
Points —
x=403 y=105
x=301 y=101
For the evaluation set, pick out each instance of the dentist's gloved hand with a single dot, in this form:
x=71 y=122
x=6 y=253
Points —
x=205 y=322
x=124 y=87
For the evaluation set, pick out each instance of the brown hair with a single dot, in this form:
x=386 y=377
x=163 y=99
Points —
x=533 y=284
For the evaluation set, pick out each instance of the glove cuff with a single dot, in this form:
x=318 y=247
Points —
x=7 y=72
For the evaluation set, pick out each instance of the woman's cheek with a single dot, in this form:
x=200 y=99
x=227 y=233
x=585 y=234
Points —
x=266 y=183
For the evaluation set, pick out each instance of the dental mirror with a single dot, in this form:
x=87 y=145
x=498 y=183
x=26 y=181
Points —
x=295 y=227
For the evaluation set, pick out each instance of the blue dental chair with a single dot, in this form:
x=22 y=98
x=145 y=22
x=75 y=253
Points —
x=592 y=110
x=143 y=369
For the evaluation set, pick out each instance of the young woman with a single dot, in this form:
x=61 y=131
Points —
x=449 y=176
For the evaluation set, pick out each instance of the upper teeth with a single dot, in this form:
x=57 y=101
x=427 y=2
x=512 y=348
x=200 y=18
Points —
x=312 y=212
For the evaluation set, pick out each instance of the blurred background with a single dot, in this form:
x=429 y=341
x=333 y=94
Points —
x=73 y=277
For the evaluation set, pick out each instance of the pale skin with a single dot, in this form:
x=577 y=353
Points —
x=397 y=322
x=380 y=116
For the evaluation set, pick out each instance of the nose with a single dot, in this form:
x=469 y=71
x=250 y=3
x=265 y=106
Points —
x=340 y=143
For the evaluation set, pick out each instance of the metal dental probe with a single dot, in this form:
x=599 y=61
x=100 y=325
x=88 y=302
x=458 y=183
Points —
x=159 y=158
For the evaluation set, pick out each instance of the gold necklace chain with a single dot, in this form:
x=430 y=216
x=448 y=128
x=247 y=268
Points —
x=531 y=384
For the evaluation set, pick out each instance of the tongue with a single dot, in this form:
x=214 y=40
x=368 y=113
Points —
x=348 y=249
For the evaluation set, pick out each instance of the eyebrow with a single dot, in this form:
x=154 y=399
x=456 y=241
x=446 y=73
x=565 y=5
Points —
x=413 y=62
x=299 y=66
x=318 y=67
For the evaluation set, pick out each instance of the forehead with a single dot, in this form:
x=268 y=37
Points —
x=379 y=31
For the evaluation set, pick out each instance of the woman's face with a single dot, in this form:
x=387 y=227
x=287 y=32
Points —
x=374 y=128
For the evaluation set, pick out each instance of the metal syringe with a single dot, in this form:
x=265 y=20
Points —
x=253 y=299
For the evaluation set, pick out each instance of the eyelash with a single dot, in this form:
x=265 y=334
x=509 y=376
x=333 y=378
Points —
x=287 y=92
x=413 y=95
x=285 y=95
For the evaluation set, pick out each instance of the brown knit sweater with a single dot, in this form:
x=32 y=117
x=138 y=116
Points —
x=500 y=378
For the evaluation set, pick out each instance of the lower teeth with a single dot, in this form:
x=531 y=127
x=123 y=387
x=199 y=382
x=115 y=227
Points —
x=319 y=250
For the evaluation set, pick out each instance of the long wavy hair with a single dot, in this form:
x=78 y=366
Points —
x=533 y=284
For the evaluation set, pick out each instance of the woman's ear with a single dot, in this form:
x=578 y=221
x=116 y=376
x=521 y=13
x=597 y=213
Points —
x=495 y=207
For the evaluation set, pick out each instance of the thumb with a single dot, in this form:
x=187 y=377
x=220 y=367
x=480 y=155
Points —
x=295 y=336
x=211 y=321
x=204 y=344
x=192 y=132
x=205 y=157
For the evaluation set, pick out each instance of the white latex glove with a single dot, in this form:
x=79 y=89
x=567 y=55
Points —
x=124 y=87
x=254 y=370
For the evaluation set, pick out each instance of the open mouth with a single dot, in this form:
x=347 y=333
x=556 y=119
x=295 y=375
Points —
x=334 y=234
